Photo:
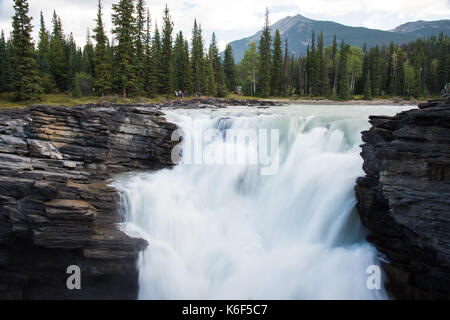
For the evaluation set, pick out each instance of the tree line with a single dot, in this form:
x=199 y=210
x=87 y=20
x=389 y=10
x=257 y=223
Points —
x=340 y=71
x=142 y=60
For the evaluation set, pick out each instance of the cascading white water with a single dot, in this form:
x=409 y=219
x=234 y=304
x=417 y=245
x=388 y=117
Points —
x=228 y=232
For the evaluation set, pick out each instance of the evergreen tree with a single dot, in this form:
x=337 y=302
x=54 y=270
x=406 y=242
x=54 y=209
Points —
x=43 y=51
x=265 y=61
x=211 y=88
x=102 y=79
x=4 y=63
x=217 y=67
x=166 y=67
x=26 y=71
x=286 y=68
x=368 y=88
x=124 y=30
x=197 y=58
x=323 y=75
x=335 y=63
x=182 y=64
x=156 y=52
x=277 y=66
x=74 y=63
x=229 y=69
x=315 y=67
x=89 y=55
x=58 y=58
x=150 y=80
x=375 y=68
x=343 y=79
x=140 y=45
x=443 y=63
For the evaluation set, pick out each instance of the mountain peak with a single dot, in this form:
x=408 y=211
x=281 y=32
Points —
x=298 y=29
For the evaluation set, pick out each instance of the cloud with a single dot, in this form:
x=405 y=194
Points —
x=234 y=19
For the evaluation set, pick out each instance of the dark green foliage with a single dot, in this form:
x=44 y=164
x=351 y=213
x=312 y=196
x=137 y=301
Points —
x=124 y=30
x=277 y=66
x=368 y=88
x=82 y=86
x=58 y=57
x=26 y=72
x=343 y=77
x=102 y=71
x=323 y=72
x=150 y=72
x=211 y=87
x=182 y=64
x=43 y=52
x=139 y=39
x=229 y=69
x=5 y=64
x=217 y=67
x=265 y=60
x=166 y=66
x=156 y=53
x=198 y=60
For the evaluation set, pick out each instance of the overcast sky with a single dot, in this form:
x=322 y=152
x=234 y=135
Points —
x=235 y=19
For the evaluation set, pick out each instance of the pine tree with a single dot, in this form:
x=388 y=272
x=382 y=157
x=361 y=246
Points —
x=156 y=52
x=315 y=67
x=102 y=80
x=74 y=63
x=368 y=88
x=443 y=61
x=265 y=61
x=166 y=67
x=211 y=88
x=150 y=80
x=286 y=68
x=375 y=65
x=323 y=75
x=58 y=58
x=343 y=79
x=43 y=51
x=229 y=69
x=140 y=45
x=4 y=63
x=277 y=66
x=217 y=67
x=335 y=63
x=26 y=71
x=124 y=30
x=197 y=58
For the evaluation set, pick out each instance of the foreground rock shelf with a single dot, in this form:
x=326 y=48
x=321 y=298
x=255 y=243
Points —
x=56 y=208
x=405 y=198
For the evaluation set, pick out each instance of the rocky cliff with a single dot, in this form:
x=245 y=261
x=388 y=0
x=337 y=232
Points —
x=56 y=208
x=405 y=198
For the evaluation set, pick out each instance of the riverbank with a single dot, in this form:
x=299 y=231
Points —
x=7 y=101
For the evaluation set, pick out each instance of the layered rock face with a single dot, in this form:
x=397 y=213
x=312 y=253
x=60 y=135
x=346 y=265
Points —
x=405 y=198
x=56 y=208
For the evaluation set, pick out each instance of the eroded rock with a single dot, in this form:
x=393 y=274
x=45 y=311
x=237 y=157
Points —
x=56 y=208
x=405 y=198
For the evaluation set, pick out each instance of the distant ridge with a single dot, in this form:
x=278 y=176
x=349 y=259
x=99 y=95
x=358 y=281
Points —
x=298 y=29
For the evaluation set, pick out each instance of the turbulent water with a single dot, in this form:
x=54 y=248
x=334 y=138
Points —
x=231 y=231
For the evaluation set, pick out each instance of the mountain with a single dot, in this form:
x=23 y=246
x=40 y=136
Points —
x=298 y=30
x=424 y=28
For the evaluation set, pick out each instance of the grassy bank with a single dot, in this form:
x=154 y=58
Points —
x=7 y=100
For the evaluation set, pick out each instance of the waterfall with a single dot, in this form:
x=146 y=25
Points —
x=229 y=232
